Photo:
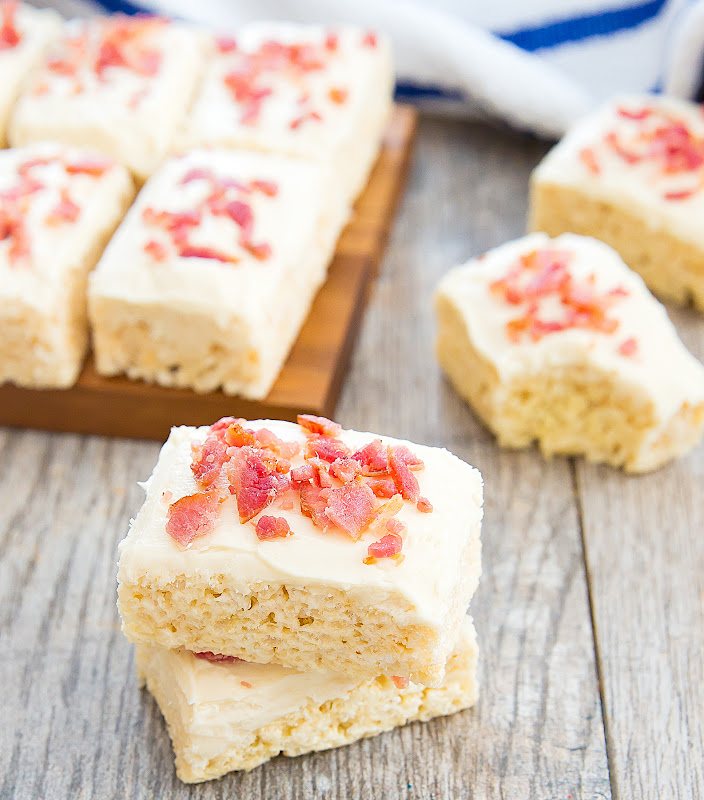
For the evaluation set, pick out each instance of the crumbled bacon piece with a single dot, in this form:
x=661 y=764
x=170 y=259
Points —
x=400 y=683
x=241 y=214
x=64 y=211
x=192 y=516
x=395 y=526
x=253 y=482
x=338 y=95
x=12 y=227
x=9 y=35
x=424 y=505
x=209 y=458
x=268 y=188
x=304 y=474
x=409 y=459
x=122 y=46
x=94 y=166
x=224 y=423
x=370 y=39
x=193 y=251
x=198 y=174
x=327 y=448
x=373 y=458
x=321 y=425
x=216 y=658
x=313 y=501
x=156 y=250
x=225 y=44
x=629 y=347
x=588 y=158
x=351 y=508
x=383 y=487
x=634 y=114
x=260 y=251
x=332 y=41
x=246 y=684
x=388 y=546
x=296 y=123
x=265 y=438
x=684 y=194
x=345 y=469
x=406 y=482
x=272 y=528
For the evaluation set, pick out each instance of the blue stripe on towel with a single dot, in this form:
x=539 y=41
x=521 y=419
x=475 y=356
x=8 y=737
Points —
x=411 y=91
x=122 y=7
x=575 y=29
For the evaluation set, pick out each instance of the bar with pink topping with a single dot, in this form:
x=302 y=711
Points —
x=557 y=341
x=58 y=207
x=210 y=277
x=118 y=84
x=316 y=92
x=304 y=545
x=632 y=175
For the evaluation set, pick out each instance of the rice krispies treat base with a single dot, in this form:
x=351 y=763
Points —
x=329 y=96
x=199 y=322
x=57 y=233
x=308 y=601
x=235 y=716
x=632 y=175
x=572 y=391
x=34 y=30
x=118 y=84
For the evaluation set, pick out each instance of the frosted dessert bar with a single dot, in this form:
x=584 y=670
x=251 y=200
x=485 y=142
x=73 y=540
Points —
x=118 y=84
x=25 y=33
x=304 y=545
x=210 y=277
x=632 y=175
x=298 y=90
x=226 y=715
x=58 y=207
x=556 y=340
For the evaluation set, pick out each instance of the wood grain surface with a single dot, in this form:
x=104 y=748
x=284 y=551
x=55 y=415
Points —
x=312 y=375
x=589 y=611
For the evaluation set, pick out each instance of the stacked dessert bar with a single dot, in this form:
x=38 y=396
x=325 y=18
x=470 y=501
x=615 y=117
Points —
x=251 y=150
x=295 y=587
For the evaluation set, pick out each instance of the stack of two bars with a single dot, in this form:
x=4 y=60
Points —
x=296 y=587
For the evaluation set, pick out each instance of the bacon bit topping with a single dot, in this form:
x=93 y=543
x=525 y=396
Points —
x=400 y=683
x=156 y=250
x=406 y=482
x=64 y=211
x=663 y=140
x=217 y=658
x=225 y=44
x=373 y=458
x=628 y=348
x=320 y=425
x=588 y=158
x=345 y=469
x=219 y=202
x=370 y=39
x=395 y=526
x=338 y=95
x=296 y=123
x=351 y=508
x=314 y=502
x=122 y=46
x=265 y=438
x=383 y=487
x=388 y=546
x=326 y=448
x=209 y=458
x=94 y=166
x=424 y=505
x=9 y=35
x=246 y=684
x=253 y=481
x=192 y=516
x=250 y=74
x=272 y=528
x=544 y=274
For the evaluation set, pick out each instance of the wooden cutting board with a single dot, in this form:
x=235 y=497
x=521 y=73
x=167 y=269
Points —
x=312 y=375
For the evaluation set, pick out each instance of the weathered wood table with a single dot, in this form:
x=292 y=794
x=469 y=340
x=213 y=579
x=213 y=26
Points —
x=590 y=611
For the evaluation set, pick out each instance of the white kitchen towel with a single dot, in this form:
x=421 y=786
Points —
x=538 y=64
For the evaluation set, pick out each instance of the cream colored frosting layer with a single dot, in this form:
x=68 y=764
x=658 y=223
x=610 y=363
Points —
x=433 y=547
x=288 y=223
x=640 y=187
x=222 y=704
x=354 y=72
x=130 y=115
x=57 y=250
x=37 y=29
x=661 y=370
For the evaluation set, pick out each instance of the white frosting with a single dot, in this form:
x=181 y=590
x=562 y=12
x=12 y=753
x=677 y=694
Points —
x=433 y=547
x=287 y=222
x=662 y=369
x=638 y=187
x=37 y=28
x=359 y=70
x=221 y=704
x=130 y=116
x=57 y=251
